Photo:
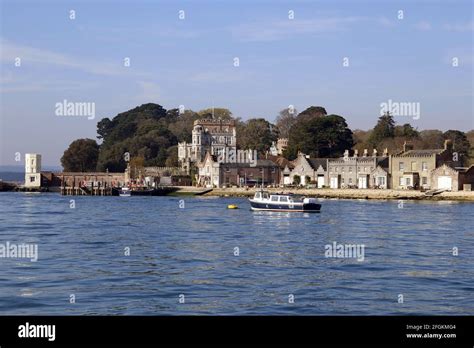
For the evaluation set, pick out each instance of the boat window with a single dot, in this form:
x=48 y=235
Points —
x=283 y=199
x=265 y=195
x=258 y=195
x=274 y=198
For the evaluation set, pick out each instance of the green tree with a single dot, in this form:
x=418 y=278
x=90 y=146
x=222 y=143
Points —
x=142 y=132
x=296 y=179
x=80 y=156
x=327 y=136
x=406 y=131
x=312 y=111
x=461 y=144
x=256 y=134
x=385 y=128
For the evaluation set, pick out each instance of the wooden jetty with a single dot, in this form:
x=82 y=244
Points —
x=86 y=191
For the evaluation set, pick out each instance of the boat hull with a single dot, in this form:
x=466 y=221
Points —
x=295 y=207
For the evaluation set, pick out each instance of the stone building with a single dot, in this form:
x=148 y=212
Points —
x=412 y=168
x=452 y=179
x=359 y=172
x=218 y=174
x=208 y=135
x=309 y=170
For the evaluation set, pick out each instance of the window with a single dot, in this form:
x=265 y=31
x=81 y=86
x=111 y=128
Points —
x=408 y=181
x=381 y=180
x=32 y=179
x=424 y=166
x=400 y=182
x=401 y=166
x=365 y=169
x=283 y=199
x=424 y=180
x=350 y=180
x=274 y=198
x=342 y=170
x=350 y=169
x=413 y=166
x=342 y=181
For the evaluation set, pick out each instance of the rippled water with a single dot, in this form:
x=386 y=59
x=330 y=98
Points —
x=190 y=251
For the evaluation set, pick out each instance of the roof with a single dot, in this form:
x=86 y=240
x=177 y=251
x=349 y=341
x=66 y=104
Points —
x=260 y=163
x=281 y=161
x=419 y=153
x=316 y=162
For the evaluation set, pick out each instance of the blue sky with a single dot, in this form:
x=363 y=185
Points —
x=190 y=62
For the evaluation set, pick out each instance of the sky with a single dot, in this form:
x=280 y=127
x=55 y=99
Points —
x=253 y=57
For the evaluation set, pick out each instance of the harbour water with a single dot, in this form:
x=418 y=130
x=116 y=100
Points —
x=234 y=262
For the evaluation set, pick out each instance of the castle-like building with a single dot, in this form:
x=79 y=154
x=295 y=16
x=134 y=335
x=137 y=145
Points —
x=208 y=135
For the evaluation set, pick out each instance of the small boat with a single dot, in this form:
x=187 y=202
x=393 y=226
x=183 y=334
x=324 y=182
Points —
x=263 y=200
x=232 y=206
x=125 y=192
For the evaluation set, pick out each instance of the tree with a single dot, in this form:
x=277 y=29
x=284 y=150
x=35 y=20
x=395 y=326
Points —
x=327 y=136
x=385 y=128
x=312 y=111
x=256 y=134
x=81 y=156
x=142 y=132
x=285 y=120
x=223 y=113
x=406 y=131
x=431 y=139
x=460 y=144
x=137 y=167
x=183 y=125
x=296 y=180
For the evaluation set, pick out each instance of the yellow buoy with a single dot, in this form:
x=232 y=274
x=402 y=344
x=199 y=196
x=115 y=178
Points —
x=232 y=206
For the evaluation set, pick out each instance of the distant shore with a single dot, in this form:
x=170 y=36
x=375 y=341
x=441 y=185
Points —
x=350 y=194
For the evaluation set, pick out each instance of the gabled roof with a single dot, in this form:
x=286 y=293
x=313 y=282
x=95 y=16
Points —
x=281 y=161
x=316 y=162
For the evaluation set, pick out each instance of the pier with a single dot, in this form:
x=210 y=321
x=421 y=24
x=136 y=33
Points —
x=86 y=191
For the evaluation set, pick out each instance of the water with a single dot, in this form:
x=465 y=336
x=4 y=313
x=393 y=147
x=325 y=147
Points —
x=190 y=251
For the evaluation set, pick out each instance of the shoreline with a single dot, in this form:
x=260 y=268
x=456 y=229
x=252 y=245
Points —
x=389 y=194
x=465 y=196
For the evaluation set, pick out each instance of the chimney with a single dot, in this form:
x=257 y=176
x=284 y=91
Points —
x=407 y=146
x=356 y=153
x=385 y=152
x=448 y=145
x=374 y=153
x=365 y=153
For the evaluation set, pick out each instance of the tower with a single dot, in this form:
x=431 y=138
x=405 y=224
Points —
x=32 y=170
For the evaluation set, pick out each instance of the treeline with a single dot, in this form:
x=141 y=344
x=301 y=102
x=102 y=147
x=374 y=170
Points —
x=150 y=134
x=388 y=135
